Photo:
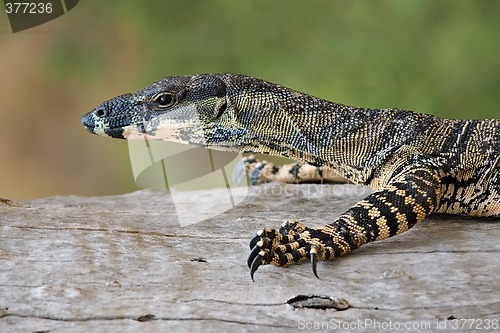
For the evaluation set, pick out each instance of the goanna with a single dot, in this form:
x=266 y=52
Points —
x=416 y=164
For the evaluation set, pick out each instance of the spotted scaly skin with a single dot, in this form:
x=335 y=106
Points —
x=416 y=164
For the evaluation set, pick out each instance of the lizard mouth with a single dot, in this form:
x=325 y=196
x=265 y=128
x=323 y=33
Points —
x=116 y=133
x=97 y=127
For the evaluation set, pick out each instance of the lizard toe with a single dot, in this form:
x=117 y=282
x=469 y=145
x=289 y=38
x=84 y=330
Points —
x=262 y=243
x=261 y=258
x=292 y=228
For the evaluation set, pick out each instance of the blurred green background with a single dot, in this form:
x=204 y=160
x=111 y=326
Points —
x=440 y=57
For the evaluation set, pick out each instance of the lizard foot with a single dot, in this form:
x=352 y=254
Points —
x=262 y=171
x=291 y=243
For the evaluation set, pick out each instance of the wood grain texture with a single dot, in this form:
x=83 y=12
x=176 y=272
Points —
x=123 y=263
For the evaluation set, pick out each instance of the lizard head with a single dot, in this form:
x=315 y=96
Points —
x=221 y=111
x=193 y=109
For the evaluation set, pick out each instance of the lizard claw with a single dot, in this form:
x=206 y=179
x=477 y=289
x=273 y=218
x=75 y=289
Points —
x=314 y=261
x=261 y=244
x=261 y=235
x=254 y=241
x=255 y=252
x=257 y=261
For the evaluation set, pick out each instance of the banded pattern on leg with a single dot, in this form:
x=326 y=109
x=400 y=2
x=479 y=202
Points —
x=398 y=206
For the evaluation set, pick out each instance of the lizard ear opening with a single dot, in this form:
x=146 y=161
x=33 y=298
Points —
x=220 y=107
x=209 y=94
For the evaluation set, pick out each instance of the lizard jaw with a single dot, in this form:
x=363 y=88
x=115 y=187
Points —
x=96 y=126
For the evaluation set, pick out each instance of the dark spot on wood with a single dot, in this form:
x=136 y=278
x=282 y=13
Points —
x=148 y=317
x=318 y=302
x=199 y=259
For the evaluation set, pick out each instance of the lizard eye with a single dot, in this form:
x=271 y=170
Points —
x=164 y=100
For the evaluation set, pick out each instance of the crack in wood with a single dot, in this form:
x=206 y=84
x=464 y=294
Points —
x=318 y=302
x=142 y=318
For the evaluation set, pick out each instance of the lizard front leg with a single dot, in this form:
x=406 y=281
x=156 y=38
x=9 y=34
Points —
x=406 y=200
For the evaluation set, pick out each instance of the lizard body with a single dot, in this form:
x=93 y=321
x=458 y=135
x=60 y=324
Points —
x=416 y=164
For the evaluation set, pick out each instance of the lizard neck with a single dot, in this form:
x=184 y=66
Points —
x=353 y=140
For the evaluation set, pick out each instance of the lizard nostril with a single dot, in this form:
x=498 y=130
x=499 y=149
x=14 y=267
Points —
x=99 y=113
